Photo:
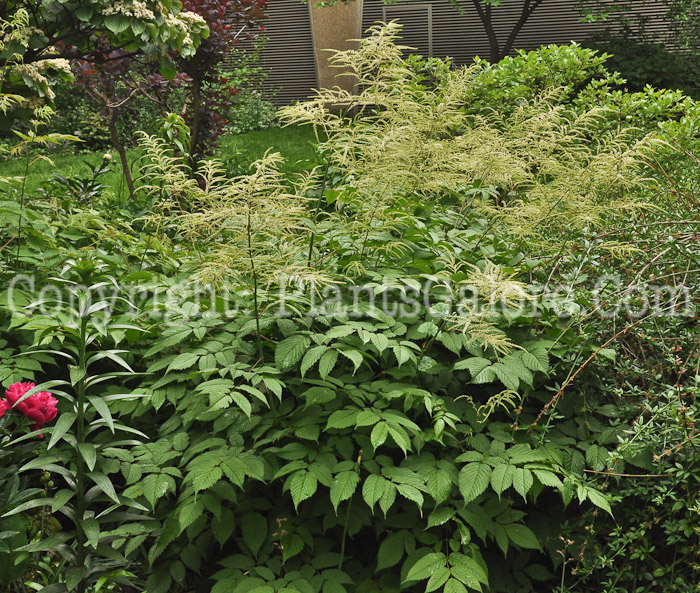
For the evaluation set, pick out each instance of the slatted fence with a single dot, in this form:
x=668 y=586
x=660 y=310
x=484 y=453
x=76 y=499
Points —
x=437 y=29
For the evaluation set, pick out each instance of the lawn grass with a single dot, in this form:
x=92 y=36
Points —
x=40 y=169
x=294 y=143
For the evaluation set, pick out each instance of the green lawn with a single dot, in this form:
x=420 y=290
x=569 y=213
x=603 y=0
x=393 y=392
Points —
x=294 y=143
x=40 y=169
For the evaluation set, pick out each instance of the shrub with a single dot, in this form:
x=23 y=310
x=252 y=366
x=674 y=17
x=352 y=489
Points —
x=77 y=114
x=570 y=69
x=642 y=63
x=251 y=108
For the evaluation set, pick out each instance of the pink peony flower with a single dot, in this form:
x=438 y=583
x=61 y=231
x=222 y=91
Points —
x=39 y=408
x=17 y=390
x=3 y=407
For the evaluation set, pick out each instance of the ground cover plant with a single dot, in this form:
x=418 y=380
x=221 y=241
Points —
x=456 y=352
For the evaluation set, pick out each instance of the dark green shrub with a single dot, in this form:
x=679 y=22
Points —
x=77 y=113
x=642 y=63
x=251 y=108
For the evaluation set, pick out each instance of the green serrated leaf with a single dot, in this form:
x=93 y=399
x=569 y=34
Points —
x=599 y=500
x=426 y=566
x=373 y=488
x=311 y=358
x=507 y=375
x=171 y=337
x=190 y=512
x=468 y=571
x=473 y=480
x=411 y=493
x=302 y=485
x=388 y=497
x=343 y=487
x=318 y=395
x=597 y=457
x=355 y=356
x=439 y=481
x=454 y=586
x=474 y=365
x=440 y=516
x=342 y=418
x=254 y=528
x=437 y=579
x=204 y=476
x=522 y=481
x=290 y=351
x=535 y=363
x=379 y=434
x=292 y=545
x=524 y=454
x=522 y=536
x=501 y=477
x=391 y=550
x=486 y=375
x=451 y=341
x=403 y=354
x=548 y=478
x=223 y=528
x=155 y=486
x=183 y=361
x=327 y=363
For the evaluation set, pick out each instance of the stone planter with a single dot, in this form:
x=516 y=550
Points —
x=332 y=28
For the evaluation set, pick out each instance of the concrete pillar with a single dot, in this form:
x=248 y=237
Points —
x=331 y=28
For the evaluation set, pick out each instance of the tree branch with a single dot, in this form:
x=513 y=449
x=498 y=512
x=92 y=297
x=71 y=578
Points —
x=529 y=7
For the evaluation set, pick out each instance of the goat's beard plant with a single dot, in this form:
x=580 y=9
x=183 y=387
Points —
x=420 y=425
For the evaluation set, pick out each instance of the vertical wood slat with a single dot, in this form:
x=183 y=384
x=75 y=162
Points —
x=288 y=53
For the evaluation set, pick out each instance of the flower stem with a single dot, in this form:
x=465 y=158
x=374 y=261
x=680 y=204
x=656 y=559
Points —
x=81 y=503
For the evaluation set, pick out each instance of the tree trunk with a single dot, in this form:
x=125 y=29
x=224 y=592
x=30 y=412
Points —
x=196 y=115
x=484 y=12
x=119 y=147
